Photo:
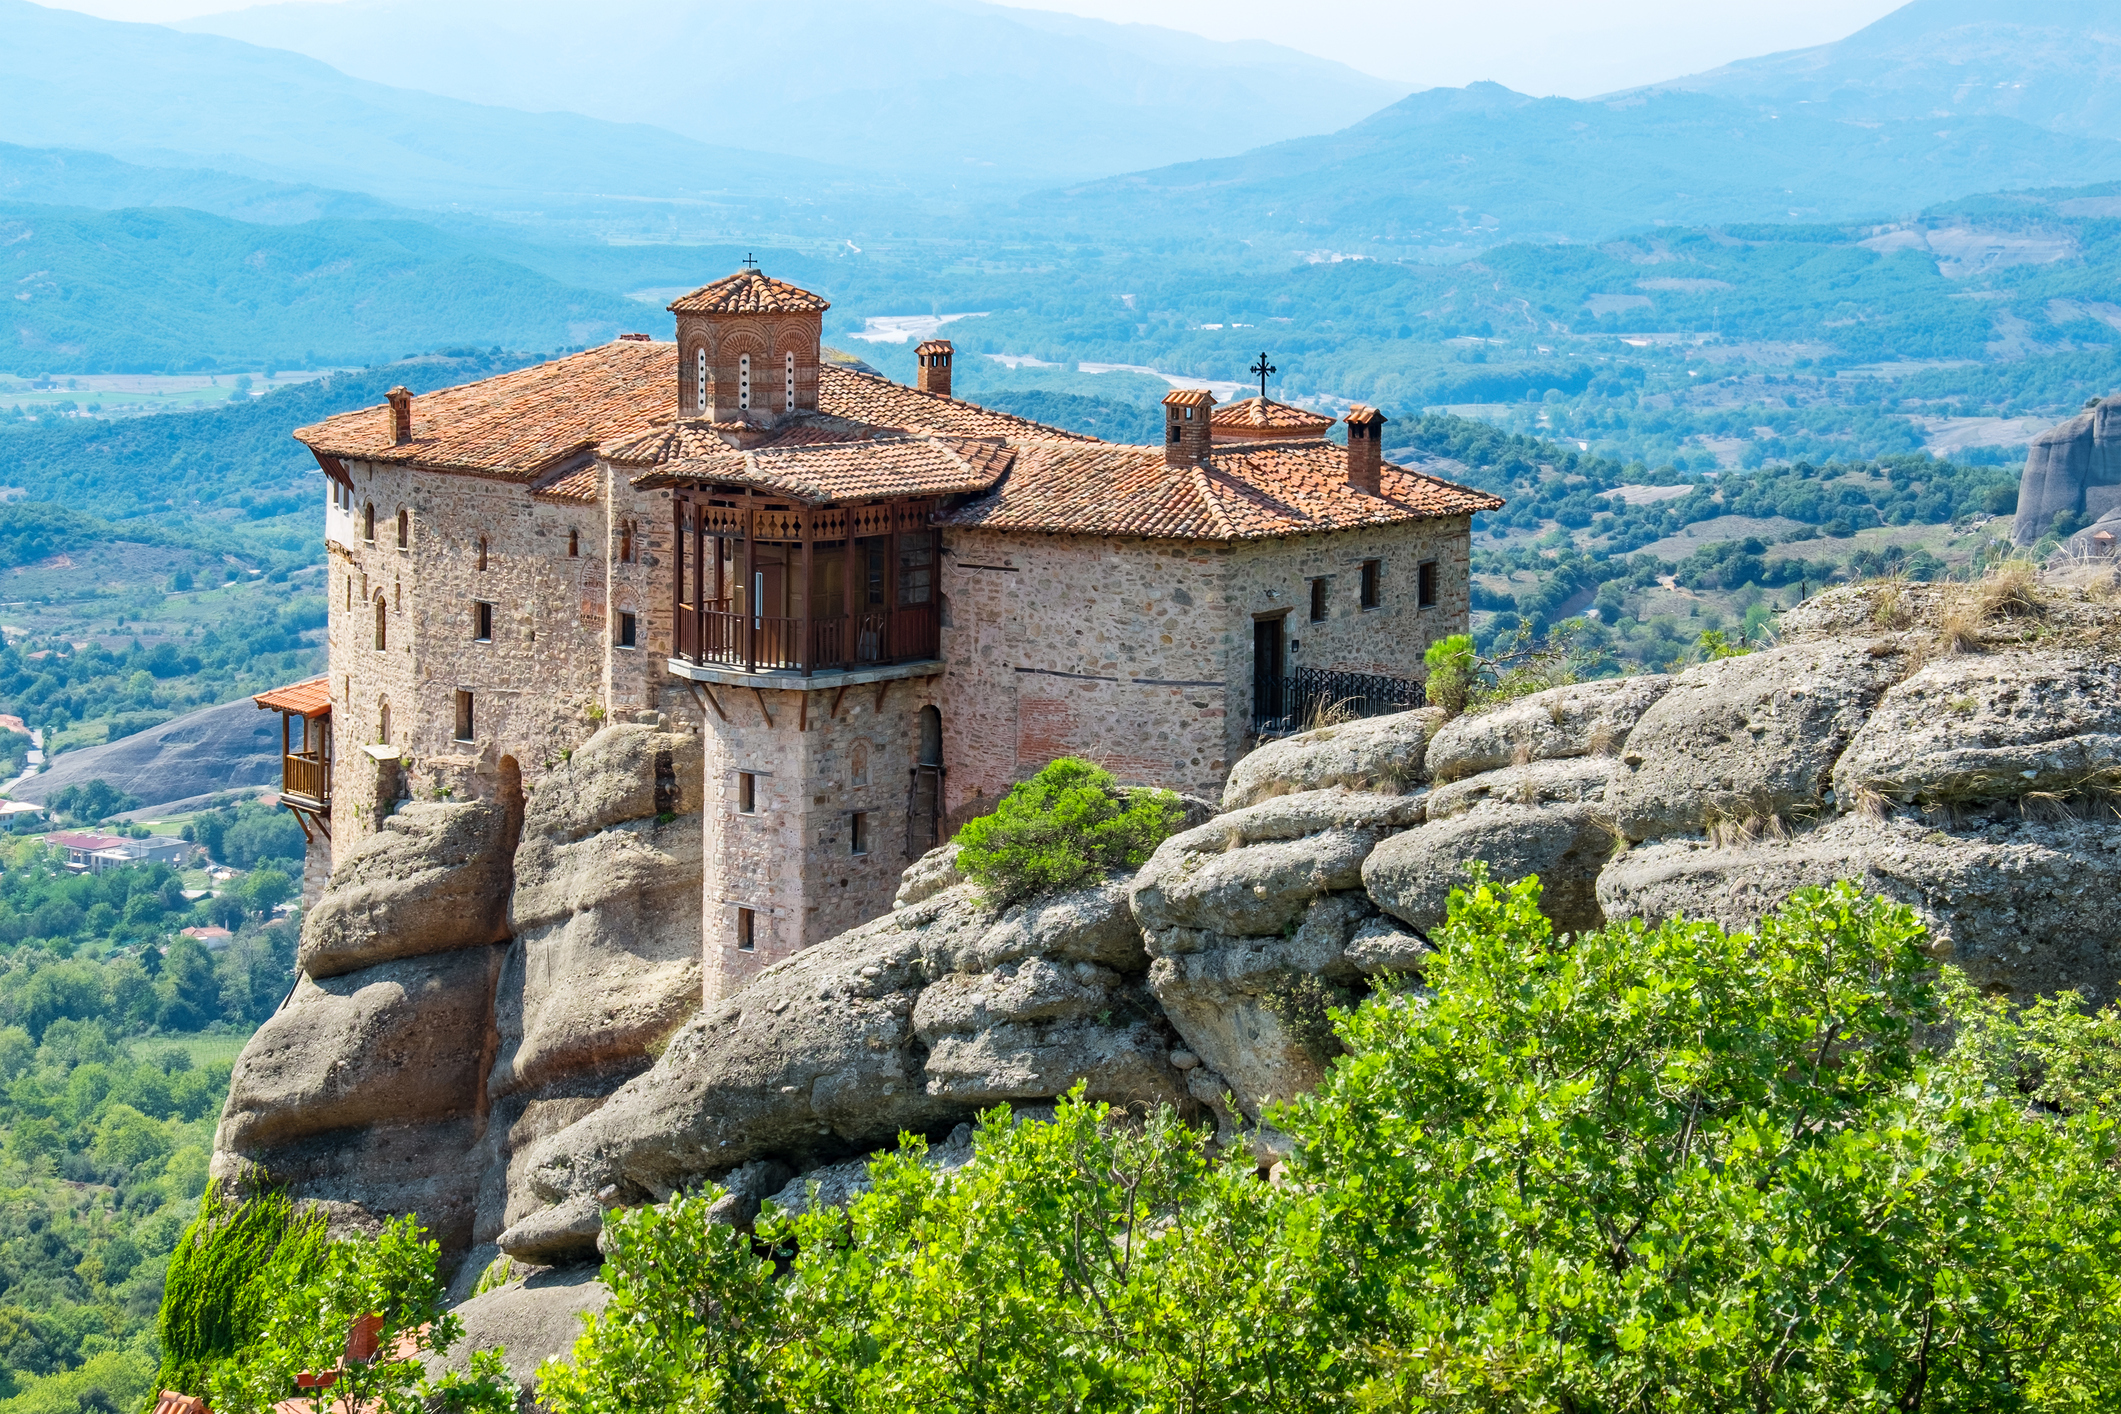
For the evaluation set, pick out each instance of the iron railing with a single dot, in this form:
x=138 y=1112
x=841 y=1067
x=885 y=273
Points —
x=1281 y=705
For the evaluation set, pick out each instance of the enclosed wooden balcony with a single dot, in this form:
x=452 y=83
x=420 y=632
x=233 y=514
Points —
x=305 y=749
x=769 y=586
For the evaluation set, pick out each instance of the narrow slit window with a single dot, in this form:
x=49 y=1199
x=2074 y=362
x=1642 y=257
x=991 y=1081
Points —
x=1318 y=601
x=858 y=832
x=747 y=793
x=628 y=627
x=404 y=529
x=368 y=523
x=743 y=380
x=482 y=620
x=574 y=543
x=382 y=631
x=626 y=542
x=482 y=552
x=788 y=397
x=1372 y=588
x=746 y=930
x=1425 y=585
x=699 y=380
x=464 y=722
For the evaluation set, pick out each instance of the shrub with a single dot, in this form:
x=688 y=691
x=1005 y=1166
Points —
x=227 y=1266
x=1452 y=664
x=1065 y=827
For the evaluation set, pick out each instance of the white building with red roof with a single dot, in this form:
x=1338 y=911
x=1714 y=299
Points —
x=879 y=605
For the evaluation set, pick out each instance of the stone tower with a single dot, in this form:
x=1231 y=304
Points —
x=748 y=349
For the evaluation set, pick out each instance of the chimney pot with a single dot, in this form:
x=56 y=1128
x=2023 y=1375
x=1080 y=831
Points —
x=1186 y=426
x=1366 y=429
x=400 y=415
x=933 y=361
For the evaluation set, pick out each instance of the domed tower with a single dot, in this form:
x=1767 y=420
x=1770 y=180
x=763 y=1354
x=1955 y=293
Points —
x=748 y=349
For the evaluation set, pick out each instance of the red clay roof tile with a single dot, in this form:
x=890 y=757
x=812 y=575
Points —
x=1265 y=414
x=304 y=699
x=749 y=292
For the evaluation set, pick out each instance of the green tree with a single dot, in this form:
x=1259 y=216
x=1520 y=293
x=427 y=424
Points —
x=365 y=1314
x=1452 y=667
x=222 y=1277
x=189 y=991
x=1067 y=826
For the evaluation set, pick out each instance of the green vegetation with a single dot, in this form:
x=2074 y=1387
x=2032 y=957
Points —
x=1067 y=826
x=364 y=1310
x=233 y=1261
x=1658 y=1168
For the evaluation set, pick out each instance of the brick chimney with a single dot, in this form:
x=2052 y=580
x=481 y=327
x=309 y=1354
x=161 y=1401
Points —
x=934 y=360
x=400 y=415
x=1366 y=449
x=1186 y=431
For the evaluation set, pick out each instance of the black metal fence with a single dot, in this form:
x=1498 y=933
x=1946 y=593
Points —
x=1281 y=705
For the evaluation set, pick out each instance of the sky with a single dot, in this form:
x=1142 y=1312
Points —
x=1576 y=48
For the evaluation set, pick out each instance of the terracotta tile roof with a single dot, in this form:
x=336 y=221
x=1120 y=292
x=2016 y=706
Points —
x=879 y=402
x=1243 y=493
x=1266 y=415
x=847 y=471
x=1189 y=397
x=518 y=425
x=749 y=292
x=1364 y=415
x=934 y=346
x=304 y=699
x=584 y=484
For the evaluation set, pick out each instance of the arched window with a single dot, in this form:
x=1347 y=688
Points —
x=404 y=528
x=383 y=723
x=368 y=522
x=382 y=620
x=482 y=552
x=626 y=542
x=699 y=379
x=858 y=767
x=743 y=381
x=931 y=737
x=574 y=543
x=788 y=400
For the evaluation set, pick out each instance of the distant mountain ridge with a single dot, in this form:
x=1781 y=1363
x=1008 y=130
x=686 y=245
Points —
x=942 y=87
x=1473 y=167
x=955 y=90
x=62 y=177
x=2056 y=65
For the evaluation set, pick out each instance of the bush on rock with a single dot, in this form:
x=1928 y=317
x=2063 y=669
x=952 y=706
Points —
x=1067 y=826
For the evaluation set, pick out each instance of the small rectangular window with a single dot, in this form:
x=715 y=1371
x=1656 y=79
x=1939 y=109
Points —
x=858 y=832
x=484 y=613
x=1372 y=591
x=1426 y=585
x=464 y=723
x=626 y=631
x=747 y=793
x=1318 y=601
x=746 y=930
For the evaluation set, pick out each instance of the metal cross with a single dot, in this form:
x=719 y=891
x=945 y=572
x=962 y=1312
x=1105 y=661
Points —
x=749 y=263
x=1262 y=369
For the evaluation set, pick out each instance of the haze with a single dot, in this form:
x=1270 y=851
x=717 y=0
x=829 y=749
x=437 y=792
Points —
x=1534 y=46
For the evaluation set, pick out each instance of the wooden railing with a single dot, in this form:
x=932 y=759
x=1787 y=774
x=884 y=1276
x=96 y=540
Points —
x=769 y=644
x=306 y=774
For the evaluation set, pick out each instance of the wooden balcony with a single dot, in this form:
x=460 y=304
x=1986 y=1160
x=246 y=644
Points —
x=769 y=587
x=305 y=778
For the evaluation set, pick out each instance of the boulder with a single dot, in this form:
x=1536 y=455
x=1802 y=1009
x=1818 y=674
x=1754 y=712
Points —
x=838 y=1185
x=1581 y=719
x=912 y=1022
x=928 y=876
x=1375 y=753
x=433 y=877
x=606 y=909
x=1255 y=870
x=1753 y=737
x=1379 y=946
x=1229 y=997
x=2022 y=907
x=1546 y=819
x=530 y=1320
x=1991 y=727
x=401 y=1041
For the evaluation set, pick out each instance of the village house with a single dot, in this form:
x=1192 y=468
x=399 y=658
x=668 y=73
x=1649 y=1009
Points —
x=880 y=605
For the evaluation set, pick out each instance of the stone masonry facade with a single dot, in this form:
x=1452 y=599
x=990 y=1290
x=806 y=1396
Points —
x=515 y=562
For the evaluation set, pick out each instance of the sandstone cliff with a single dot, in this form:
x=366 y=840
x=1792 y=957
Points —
x=2074 y=467
x=514 y=1076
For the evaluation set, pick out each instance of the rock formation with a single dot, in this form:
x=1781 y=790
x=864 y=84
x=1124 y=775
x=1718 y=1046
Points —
x=2074 y=467
x=514 y=1076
